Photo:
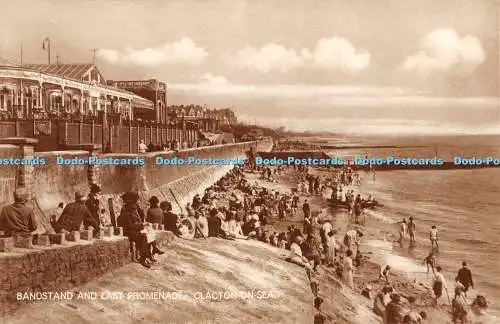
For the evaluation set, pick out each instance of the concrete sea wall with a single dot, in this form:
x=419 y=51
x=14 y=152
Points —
x=59 y=267
x=51 y=184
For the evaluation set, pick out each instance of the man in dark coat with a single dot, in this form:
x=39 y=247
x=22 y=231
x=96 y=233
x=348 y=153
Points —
x=17 y=217
x=74 y=215
x=169 y=218
x=132 y=225
x=306 y=208
x=92 y=204
x=154 y=216
x=214 y=224
x=464 y=276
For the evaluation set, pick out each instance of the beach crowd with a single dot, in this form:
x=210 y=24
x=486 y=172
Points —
x=235 y=208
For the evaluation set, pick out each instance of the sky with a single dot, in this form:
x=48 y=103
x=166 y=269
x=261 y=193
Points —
x=352 y=66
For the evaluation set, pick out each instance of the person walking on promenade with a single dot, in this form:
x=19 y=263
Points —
x=75 y=215
x=411 y=231
x=142 y=147
x=17 y=217
x=433 y=236
x=464 y=277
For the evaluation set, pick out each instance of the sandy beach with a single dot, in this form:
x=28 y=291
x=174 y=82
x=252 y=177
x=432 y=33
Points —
x=342 y=304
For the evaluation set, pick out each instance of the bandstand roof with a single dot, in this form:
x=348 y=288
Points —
x=76 y=72
x=71 y=71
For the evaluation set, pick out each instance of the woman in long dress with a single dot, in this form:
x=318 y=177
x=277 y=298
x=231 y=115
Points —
x=332 y=245
x=348 y=270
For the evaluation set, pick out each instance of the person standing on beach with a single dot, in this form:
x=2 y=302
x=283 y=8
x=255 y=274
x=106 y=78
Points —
x=326 y=228
x=433 y=236
x=464 y=277
x=430 y=261
x=402 y=231
x=411 y=230
x=352 y=237
x=348 y=270
x=306 y=208
x=438 y=284
x=332 y=247
x=311 y=248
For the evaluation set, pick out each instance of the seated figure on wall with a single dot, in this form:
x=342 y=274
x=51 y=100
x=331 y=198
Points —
x=75 y=215
x=17 y=217
x=133 y=227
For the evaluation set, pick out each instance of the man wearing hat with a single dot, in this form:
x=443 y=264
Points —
x=17 y=217
x=92 y=204
x=132 y=225
x=74 y=215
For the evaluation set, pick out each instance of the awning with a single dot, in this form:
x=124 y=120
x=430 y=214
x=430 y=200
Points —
x=211 y=136
x=8 y=86
x=139 y=102
x=55 y=93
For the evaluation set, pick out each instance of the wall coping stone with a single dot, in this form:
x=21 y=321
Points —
x=19 y=141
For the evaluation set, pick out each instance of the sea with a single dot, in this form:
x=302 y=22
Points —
x=463 y=204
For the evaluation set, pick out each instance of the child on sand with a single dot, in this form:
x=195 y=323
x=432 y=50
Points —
x=384 y=273
x=430 y=261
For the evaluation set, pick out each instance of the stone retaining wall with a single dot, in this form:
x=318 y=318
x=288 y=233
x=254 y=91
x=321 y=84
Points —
x=59 y=268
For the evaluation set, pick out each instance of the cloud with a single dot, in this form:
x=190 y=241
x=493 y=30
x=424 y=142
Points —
x=210 y=79
x=444 y=50
x=271 y=57
x=328 y=54
x=184 y=51
x=339 y=54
